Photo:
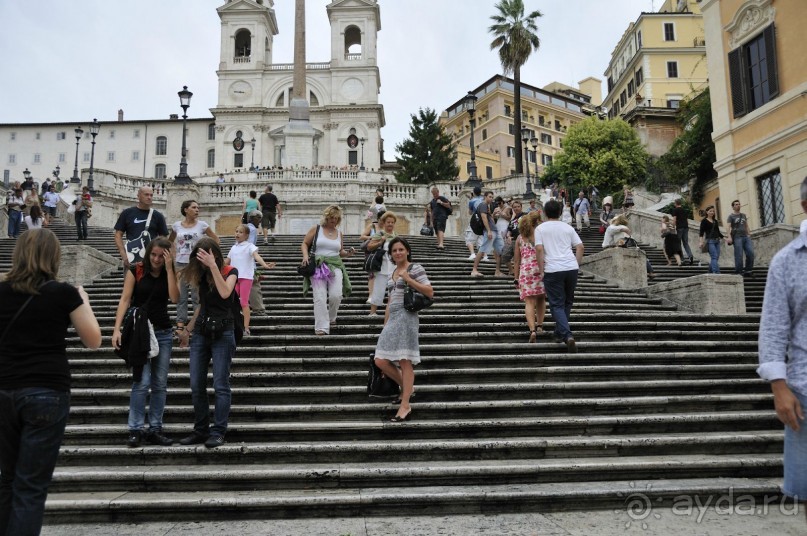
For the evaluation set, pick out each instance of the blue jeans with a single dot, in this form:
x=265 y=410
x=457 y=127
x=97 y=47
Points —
x=14 y=223
x=743 y=245
x=560 y=293
x=81 y=224
x=714 y=255
x=184 y=290
x=221 y=353
x=683 y=235
x=32 y=422
x=155 y=376
x=795 y=458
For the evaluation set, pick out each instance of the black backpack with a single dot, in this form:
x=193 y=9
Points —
x=378 y=385
x=477 y=225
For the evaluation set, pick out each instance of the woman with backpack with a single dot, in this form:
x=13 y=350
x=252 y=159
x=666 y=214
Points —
x=213 y=326
x=150 y=284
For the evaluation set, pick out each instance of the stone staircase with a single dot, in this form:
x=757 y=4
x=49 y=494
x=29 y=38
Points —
x=656 y=401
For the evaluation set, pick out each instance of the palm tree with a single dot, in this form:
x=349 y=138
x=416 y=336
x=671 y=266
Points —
x=515 y=37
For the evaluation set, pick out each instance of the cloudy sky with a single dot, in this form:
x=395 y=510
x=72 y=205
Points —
x=78 y=59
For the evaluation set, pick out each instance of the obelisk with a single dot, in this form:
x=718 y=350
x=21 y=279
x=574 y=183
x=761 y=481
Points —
x=298 y=133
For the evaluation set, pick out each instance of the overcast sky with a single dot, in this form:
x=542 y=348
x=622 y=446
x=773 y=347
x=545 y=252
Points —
x=79 y=59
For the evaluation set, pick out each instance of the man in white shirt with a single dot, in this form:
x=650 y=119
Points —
x=554 y=241
x=582 y=211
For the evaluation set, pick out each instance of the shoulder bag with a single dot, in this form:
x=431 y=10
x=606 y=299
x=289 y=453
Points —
x=307 y=270
x=136 y=248
x=374 y=259
x=413 y=300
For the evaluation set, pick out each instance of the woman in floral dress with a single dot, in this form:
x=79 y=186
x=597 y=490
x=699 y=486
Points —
x=528 y=281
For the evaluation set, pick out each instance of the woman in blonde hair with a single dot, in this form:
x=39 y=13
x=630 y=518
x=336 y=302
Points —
x=528 y=279
x=330 y=281
x=35 y=374
x=381 y=240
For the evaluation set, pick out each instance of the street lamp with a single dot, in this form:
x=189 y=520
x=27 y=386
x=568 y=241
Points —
x=95 y=126
x=536 y=151
x=75 y=179
x=57 y=171
x=26 y=174
x=361 y=167
x=525 y=136
x=469 y=103
x=184 y=102
x=252 y=165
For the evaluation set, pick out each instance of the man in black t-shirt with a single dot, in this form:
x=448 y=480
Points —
x=682 y=227
x=271 y=210
x=437 y=211
x=131 y=224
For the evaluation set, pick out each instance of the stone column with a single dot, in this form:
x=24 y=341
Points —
x=175 y=195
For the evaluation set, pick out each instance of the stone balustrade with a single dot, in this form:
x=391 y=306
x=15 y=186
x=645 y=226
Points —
x=712 y=294
x=625 y=267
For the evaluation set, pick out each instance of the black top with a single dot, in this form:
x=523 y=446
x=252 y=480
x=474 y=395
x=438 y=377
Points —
x=268 y=202
x=710 y=230
x=439 y=212
x=33 y=353
x=512 y=227
x=132 y=221
x=157 y=307
x=681 y=220
x=213 y=304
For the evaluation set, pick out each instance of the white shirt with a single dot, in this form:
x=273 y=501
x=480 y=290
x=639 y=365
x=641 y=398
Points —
x=187 y=237
x=240 y=256
x=557 y=239
x=31 y=225
x=51 y=199
x=613 y=234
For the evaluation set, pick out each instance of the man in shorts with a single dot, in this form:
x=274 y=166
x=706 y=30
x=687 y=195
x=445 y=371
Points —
x=438 y=210
x=271 y=209
x=491 y=240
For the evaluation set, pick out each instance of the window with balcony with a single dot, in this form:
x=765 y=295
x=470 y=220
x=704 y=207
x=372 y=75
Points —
x=161 y=148
x=771 y=200
x=672 y=69
x=674 y=103
x=353 y=157
x=753 y=73
x=159 y=171
x=669 y=31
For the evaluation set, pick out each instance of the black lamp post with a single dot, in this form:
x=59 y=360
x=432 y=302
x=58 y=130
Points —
x=57 y=171
x=26 y=174
x=361 y=167
x=252 y=165
x=537 y=153
x=185 y=103
x=75 y=179
x=95 y=126
x=525 y=136
x=470 y=105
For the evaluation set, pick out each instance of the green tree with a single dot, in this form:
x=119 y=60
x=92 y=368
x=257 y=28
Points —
x=692 y=155
x=605 y=154
x=428 y=154
x=515 y=35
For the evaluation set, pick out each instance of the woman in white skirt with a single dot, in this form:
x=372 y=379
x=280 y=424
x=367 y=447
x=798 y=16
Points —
x=398 y=350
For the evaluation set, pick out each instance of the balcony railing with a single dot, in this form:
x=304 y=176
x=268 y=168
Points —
x=242 y=59
x=353 y=57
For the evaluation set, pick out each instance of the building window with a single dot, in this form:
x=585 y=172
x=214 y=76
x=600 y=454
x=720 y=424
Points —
x=753 y=73
x=531 y=156
x=38 y=136
x=136 y=133
x=211 y=131
x=639 y=77
x=525 y=116
x=13 y=136
x=511 y=152
x=62 y=158
x=86 y=157
x=162 y=146
x=111 y=134
x=353 y=157
x=546 y=159
x=135 y=156
x=110 y=156
x=488 y=172
x=672 y=69
x=631 y=88
x=510 y=128
x=59 y=136
x=638 y=39
x=37 y=158
x=238 y=160
x=211 y=158
x=623 y=98
x=771 y=200
x=546 y=138
x=610 y=84
x=508 y=111
x=674 y=103
x=669 y=31
x=159 y=171
x=12 y=159
x=484 y=134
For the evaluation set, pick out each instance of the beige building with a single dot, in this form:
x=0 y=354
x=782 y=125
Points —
x=660 y=61
x=548 y=113
x=758 y=79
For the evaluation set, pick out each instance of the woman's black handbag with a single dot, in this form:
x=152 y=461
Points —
x=426 y=230
x=307 y=270
x=379 y=385
x=413 y=300
x=375 y=259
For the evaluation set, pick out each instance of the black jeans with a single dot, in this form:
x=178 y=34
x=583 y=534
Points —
x=81 y=224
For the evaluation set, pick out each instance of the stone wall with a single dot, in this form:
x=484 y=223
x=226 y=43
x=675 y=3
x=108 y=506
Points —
x=80 y=265
x=704 y=293
x=625 y=267
x=769 y=240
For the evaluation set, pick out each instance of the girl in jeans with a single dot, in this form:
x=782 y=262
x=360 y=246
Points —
x=710 y=233
x=213 y=340
x=150 y=284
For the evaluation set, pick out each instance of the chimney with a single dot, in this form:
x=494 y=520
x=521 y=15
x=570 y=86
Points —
x=173 y=117
x=120 y=115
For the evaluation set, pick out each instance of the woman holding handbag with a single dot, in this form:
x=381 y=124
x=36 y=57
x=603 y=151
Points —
x=398 y=349
x=150 y=284
x=710 y=237
x=35 y=374
x=381 y=240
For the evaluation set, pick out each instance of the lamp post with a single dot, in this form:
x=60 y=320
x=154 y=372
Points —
x=56 y=172
x=26 y=174
x=185 y=103
x=252 y=165
x=536 y=151
x=75 y=179
x=469 y=103
x=95 y=126
x=361 y=167
x=525 y=137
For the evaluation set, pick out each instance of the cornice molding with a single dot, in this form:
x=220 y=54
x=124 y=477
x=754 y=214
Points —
x=749 y=21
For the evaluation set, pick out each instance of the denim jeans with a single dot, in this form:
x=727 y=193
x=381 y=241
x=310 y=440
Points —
x=32 y=422
x=743 y=245
x=560 y=293
x=795 y=458
x=81 y=224
x=714 y=255
x=184 y=290
x=14 y=223
x=155 y=377
x=220 y=352
x=683 y=235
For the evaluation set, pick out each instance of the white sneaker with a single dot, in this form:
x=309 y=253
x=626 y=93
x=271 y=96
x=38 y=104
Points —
x=486 y=258
x=471 y=257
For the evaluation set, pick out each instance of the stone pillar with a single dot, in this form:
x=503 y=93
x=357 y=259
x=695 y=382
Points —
x=625 y=267
x=769 y=240
x=175 y=195
x=81 y=265
x=712 y=294
x=4 y=222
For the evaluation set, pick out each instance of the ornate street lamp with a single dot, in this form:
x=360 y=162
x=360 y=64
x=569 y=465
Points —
x=75 y=179
x=95 y=126
x=536 y=151
x=252 y=165
x=361 y=167
x=185 y=103
x=525 y=137
x=26 y=174
x=469 y=103
x=57 y=171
